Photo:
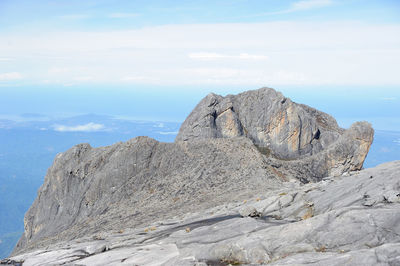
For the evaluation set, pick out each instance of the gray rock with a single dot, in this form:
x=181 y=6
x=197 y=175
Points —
x=269 y=119
x=220 y=193
x=282 y=129
x=345 y=155
x=88 y=190
x=340 y=231
x=249 y=211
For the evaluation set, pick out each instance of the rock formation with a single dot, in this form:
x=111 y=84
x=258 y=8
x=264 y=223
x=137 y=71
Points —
x=88 y=190
x=102 y=204
x=347 y=220
x=281 y=129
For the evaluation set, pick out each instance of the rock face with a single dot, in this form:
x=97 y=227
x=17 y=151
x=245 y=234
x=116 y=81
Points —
x=100 y=205
x=89 y=190
x=348 y=220
x=280 y=128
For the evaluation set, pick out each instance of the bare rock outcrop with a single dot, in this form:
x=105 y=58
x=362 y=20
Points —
x=228 y=150
x=348 y=220
x=89 y=190
x=281 y=129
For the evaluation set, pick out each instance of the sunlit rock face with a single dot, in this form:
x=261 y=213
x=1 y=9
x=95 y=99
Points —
x=281 y=128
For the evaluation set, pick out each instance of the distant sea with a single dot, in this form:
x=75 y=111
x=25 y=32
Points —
x=27 y=149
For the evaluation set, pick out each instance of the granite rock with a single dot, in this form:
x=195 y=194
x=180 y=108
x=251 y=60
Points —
x=281 y=129
x=322 y=223
x=89 y=190
x=237 y=186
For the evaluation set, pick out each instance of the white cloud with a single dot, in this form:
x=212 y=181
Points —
x=56 y=70
x=89 y=127
x=309 y=4
x=5 y=59
x=10 y=76
x=133 y=78
x=123 y=15
x=397 y=141
x=140 y=79
x=240 y=76
x=84 y=78
x=159 y=125
x=216 y=56
x=168 y=133
x=70 y=84
x=278 y=53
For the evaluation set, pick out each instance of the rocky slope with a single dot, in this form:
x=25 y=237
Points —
x=347 y=220
x=229 y=150
x=88 y=190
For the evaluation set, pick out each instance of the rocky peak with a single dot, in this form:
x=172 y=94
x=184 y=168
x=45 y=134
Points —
x=280 y=127
x=230 y=147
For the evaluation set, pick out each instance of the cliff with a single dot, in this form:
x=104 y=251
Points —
x=283 y=130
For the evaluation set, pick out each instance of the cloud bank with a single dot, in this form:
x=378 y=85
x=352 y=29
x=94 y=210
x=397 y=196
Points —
x=89 y=127
x=251 y=54
x=10 y=76
x=168 y=133
x=216 y=56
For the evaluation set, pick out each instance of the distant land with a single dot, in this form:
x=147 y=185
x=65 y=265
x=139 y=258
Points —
x=29 y=143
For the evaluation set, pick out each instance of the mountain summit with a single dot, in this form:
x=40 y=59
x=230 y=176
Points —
x=228 y=151
x=282 y=130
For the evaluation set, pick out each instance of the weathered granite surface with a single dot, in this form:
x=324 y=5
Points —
x=245 y=155
x=281 y=129
x=347 y=220
x=89 y=190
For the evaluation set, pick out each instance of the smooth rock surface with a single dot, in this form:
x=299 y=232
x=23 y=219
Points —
x=323 y=223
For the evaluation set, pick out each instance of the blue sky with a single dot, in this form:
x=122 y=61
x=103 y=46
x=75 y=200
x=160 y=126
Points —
x=156 y=59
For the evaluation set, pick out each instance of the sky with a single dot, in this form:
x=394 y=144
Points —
x=157 y=59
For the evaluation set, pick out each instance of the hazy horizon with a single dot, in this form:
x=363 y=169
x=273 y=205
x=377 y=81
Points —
x=154 y=60
x=174 y=103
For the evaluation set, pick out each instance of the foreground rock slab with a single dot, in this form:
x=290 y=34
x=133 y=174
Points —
x=348 y=220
